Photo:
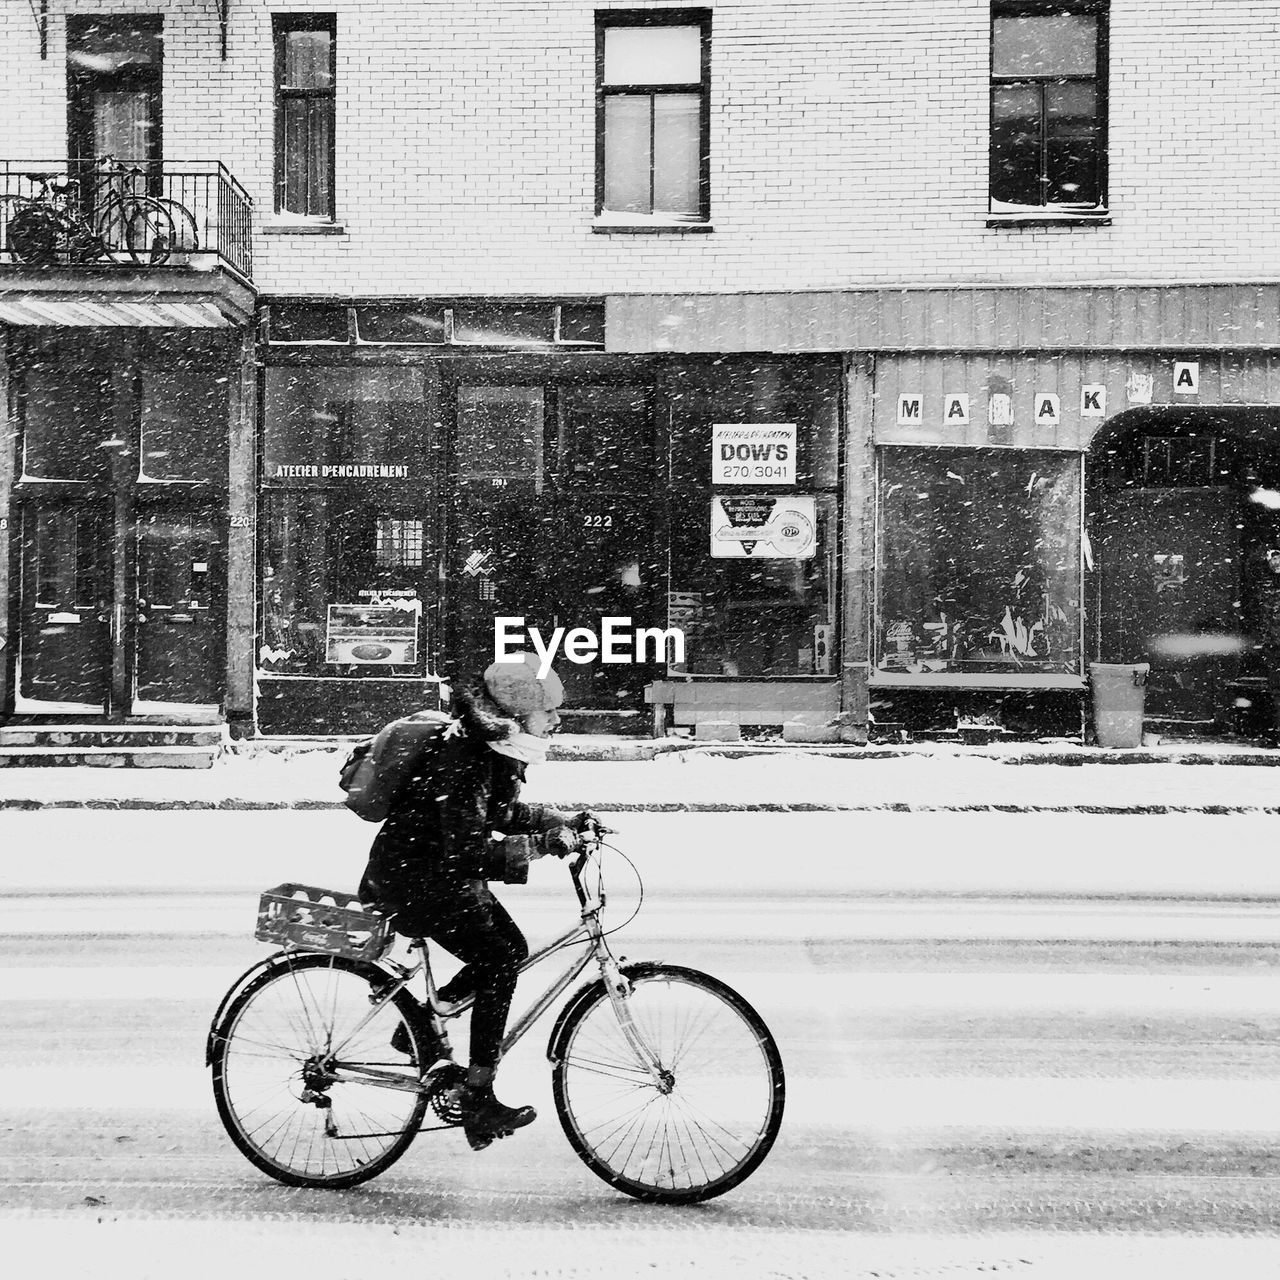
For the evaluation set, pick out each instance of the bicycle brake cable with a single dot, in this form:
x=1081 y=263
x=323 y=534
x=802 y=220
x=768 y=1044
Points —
x=639 y=889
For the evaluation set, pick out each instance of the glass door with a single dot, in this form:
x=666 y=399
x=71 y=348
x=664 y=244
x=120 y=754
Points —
x=178 y=647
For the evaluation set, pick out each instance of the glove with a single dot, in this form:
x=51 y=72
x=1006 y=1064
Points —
x=584 y=821
x=561 y=842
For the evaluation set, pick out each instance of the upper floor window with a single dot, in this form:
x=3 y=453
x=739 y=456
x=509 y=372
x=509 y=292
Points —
x=304 y=50
x=652 y=96
x=1048 y=107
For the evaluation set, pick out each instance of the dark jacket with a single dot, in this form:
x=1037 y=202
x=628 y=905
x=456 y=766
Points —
x=436 y=841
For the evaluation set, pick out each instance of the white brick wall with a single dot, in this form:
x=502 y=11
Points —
x=848 y=144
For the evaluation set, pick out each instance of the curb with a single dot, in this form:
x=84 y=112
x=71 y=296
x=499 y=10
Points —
x=239 y=805
x=639 y=750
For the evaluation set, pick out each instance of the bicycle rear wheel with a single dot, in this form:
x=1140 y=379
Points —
x=709 y=1118
x=34 y=234
x=294 y=1072
x=149 y=232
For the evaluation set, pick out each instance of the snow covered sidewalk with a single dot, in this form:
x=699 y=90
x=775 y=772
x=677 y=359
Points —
x=1028 y=778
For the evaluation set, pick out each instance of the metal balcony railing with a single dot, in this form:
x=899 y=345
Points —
x=148 y=213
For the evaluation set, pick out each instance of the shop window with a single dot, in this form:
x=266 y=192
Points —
x=305 y=94
x=398 y=544
x=335 y=424
x=342 y=586
x=752 y=577
x=184 y=426
x=401 y=327
x=307 y=325
x=768 y=613
x=1048 y=106
x=504 y=326
x=69 y=425
x=980 y=556
x=606 y=439
x=652 y=101
x=582 y=324
x=500 y=434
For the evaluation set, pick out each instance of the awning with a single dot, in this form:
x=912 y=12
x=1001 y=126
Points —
x=80 y=313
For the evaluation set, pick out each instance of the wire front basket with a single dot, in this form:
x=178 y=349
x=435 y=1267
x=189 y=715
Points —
x=297 y=915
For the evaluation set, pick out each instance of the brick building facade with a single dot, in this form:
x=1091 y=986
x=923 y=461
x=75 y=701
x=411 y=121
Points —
x=472 y=293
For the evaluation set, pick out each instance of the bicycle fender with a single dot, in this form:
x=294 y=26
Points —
x=585 y=995
x=249 y=976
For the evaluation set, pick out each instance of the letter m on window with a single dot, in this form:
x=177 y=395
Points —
x=910 y=410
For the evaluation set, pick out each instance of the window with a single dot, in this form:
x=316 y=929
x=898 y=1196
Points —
x=980 y=561
x=114 y=90
x=500 y=434
x=305 y=114
x=335 y=425
x=399 y=543
x=1048 y=107
x=652 y=76
x=769 y=608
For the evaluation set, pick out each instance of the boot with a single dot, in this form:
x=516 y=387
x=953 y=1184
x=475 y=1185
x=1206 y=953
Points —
x=484 y=1117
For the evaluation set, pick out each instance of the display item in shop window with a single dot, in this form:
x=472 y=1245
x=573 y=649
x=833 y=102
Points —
x=452 y=827
x=385 y=634
x=1168 y=572
x=778 y=527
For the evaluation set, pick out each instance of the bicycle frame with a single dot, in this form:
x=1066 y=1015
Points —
x=588 y=929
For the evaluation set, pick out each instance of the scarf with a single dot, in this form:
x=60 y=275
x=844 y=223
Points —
x=523 y=747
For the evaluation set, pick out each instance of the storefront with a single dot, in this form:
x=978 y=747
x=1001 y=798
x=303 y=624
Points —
x=1032 y=479
x=430 y=468
x=1034 y=515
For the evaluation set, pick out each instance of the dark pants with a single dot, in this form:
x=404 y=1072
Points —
x=472 y=924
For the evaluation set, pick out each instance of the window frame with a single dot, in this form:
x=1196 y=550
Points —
x=1052 y=211
x=700 y=18
x=282 y=25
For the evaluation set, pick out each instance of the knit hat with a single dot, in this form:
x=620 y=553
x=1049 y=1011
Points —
x=517 y=689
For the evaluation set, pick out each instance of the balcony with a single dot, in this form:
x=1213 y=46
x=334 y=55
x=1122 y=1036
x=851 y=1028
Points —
x=117 y=242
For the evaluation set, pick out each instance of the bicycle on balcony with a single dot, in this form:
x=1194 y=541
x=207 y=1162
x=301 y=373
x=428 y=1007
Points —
x=56 y=226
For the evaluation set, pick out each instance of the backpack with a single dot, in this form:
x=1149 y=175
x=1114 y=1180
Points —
x=377 y=768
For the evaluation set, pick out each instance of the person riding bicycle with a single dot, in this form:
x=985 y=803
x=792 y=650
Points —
x=431 y=862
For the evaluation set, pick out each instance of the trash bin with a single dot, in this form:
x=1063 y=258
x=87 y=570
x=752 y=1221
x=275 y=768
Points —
x=1119 y=689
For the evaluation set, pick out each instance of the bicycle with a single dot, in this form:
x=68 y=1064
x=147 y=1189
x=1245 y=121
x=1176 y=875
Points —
x=667 y=1083
x=48 y=227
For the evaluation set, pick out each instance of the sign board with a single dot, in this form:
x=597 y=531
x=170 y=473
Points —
x=753 y=453
x=339 y=471
x=769 y=527
x=372 y=634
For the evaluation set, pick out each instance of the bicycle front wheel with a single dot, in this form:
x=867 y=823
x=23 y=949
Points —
x=697 y=1120
x=149 y=232
x=308 y=1083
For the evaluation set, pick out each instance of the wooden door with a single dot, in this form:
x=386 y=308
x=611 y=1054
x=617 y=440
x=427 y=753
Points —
x=67 y=608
